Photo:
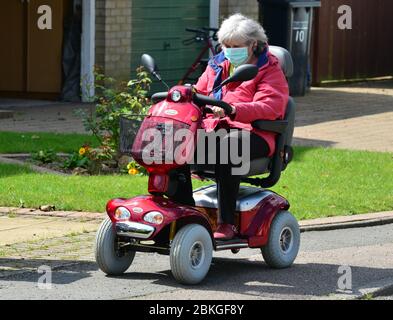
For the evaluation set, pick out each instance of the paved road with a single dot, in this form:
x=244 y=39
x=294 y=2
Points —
x=368 y=251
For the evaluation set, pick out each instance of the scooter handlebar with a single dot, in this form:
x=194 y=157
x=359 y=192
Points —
x=199 y=99
x=159 y=96
x=202 y=100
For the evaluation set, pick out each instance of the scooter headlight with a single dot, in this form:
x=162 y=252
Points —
x=154 y=217
x=122 y=213
x=176 y=96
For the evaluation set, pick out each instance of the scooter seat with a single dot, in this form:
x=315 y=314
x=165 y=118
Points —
x=256 y=166
x=248 y=197
x=259 y=166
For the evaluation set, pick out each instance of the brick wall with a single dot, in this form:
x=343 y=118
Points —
x=100 y=33
x=247 y=7
x=113 y=37
x=114 y=32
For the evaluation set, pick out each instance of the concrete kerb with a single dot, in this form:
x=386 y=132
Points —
x=59 y=214
x=321 y=224
x=347 y=222
x=372 y=290
x=383 y=291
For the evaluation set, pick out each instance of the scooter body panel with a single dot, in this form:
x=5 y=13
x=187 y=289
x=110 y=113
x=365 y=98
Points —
x=141 y=205
x=167 y=138
x=184 y=110
x=256 y=210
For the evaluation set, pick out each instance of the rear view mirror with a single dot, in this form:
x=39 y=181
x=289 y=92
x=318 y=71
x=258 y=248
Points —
x=244 y=72
x=148 y=63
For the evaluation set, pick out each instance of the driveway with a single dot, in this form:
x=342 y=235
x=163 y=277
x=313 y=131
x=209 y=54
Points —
x=355 y=116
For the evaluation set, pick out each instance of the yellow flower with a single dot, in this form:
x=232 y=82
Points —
x=133 y=172
x=82 y=151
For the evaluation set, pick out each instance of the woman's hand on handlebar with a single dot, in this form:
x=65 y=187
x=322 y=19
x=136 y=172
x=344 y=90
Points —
x=219 y=112
x=203 y=100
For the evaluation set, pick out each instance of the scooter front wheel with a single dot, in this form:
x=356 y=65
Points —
x=284 y=241
x=109 y=259
x=191 y=254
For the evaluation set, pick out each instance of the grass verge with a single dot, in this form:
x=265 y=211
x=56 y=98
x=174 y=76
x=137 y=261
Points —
x=17 y=142
x=319 y=183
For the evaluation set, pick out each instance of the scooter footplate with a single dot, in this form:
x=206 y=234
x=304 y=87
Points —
x=248 y=197
x=236 y=243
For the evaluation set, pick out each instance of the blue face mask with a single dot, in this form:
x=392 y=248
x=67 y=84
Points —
x=237 y=56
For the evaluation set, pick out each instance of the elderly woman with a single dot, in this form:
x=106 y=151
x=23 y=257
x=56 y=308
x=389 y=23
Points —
x=265 y=97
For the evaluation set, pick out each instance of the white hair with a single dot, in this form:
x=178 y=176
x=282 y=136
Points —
x=240 y=28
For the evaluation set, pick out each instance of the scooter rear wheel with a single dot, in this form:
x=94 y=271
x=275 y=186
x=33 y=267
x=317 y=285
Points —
x=191 y=254
x=109 y=259
x=284 y=241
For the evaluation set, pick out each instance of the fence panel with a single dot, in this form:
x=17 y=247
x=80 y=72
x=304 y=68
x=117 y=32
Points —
x=364 y=51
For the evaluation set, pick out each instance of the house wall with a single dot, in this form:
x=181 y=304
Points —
x=160 y=29
x=114 y=31
x=100 y=33
x=113 y=37
x=247 y=7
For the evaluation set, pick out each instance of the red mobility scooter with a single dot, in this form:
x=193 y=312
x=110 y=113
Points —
x=154 y=223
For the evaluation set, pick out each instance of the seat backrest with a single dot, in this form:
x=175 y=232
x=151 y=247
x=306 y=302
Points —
x=284 y=58
x=286 y=63
x=290 y=117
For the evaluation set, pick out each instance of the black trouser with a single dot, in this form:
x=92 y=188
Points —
x=227 y=183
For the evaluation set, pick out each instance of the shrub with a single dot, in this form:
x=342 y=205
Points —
x=44 y=156
x=76 y=160
x=112 y=100
x=134 y=169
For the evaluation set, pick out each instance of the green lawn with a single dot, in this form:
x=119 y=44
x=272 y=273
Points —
x=17 y=142
x=320 y=182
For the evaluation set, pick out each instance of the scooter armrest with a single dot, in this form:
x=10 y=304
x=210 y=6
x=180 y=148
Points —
x=276 y=126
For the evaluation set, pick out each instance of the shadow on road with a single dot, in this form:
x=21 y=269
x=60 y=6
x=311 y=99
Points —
x=65 y=271
x=253 y=278
x=227 y=275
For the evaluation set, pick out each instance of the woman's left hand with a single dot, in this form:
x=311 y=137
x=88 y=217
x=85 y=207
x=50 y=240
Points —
x=219 y=112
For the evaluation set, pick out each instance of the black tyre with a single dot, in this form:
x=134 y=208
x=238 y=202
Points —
x=284 y=241
x=109 y=259
x=191 y=254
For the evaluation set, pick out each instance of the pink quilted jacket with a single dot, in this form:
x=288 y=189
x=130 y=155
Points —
x=265 y=97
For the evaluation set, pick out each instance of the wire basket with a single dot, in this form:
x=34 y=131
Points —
x=129 y=127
